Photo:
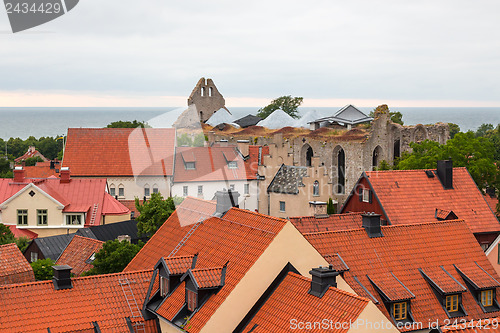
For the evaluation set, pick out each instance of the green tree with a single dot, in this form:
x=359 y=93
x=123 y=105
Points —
x=154 y=213
x=5 y=171
x=43 y=269
x=384 y=165
x=464 y=149
x=128 y=124
x=288 y=104
x=113 y=257
x=31 y=161
x=483 y=130
x=22 y=243
x=330 y=207
x=6 y=236
x=184 y=140
x=454 y=129
x=199 y=140
x=396 y=116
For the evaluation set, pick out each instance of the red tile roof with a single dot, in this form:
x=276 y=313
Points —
x=34 y=307
x=77 y=196
x=22 y=232
x=390 y=286
x=208 y=277
x=32 y=152
x=253 y=161
x=211 y=164
x=14 y=268
x=40 y=170
x=492 y=202
x=291 y=301
x=120 y=151
x=78 y=252
x=336 y=222
x=406 y=194
x=240 y=237
x=402 y=251
x=179 y=264
x=130 y=204
x=337 y=262
x=478 y=277
x=446 y=282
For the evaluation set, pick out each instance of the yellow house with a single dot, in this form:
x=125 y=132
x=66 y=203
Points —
x=54 y=206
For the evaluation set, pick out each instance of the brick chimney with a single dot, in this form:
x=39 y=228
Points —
x=65 y=175
x=18 y=174
x=62 y=277
x=322 y=278
x=225 y=200
x=371 y=223
x=445 y=173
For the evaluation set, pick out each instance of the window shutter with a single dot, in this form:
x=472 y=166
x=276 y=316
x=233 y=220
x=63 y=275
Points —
x=360 y=194
x=370 y=196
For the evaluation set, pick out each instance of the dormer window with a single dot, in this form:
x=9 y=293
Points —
x=487 y=297
x=232 y=165
x=190 y=165
x=163 y=286
x=400 y=311
x=452 y=303
x=191 y=300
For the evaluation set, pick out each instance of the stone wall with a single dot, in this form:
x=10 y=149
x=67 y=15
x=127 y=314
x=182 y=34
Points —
x=206 y=98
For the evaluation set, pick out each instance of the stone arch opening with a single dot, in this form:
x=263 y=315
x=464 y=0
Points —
x=339 y=170
x=397 y=149
x=376 y=157
x=307 y=154
x=420 y=134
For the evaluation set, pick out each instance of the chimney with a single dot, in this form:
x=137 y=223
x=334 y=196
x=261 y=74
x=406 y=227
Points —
x=445 y=173
x=225 y=200
x=62 y=277
x=65 y=175
x=317 y=209
x=371 y=223
x=322 y=278
x=18 y=174
x=491 y=191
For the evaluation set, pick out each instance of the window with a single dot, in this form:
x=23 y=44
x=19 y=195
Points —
x=399 y=311
x=487 y=297
x=34 y=256
x=146 y=191
x=191 y=300
x=452 y=303
x=155 y=188
x=91 y=259
x=73 y=219
x=190 y=165
x=22 y=217
x=210 y=92
x=185 y=191
x=232 y=165
x=316 y=188
x=121 y=191
x=200 y=189
x=112 y=190
x=41 y=217
x=282 y=206
x=366 y=195
x=163 y=286
x=246 y=189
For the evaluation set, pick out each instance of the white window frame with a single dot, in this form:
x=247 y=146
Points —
x=121 y=191
x=246 y=189
x=34 y=256
x=200 y=189
x=185 y=191
x=366 y=195
x=68 y=216
x=147 y=191
x=232 y=165
x=190 y=165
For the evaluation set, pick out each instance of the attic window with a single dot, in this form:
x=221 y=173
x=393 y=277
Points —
x=452 y=303
x=190 y=165
x=400 y=311
x=232 y=165
x=91 y=259
x=487 y=297
x=366 y=195
x=191 y=300
x=163 y=286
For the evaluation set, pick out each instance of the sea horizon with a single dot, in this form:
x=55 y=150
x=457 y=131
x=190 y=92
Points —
x=24 y=122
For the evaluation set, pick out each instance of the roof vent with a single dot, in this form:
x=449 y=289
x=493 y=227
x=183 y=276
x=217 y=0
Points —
x=322 y=279
x=371 y=223
x=62 y=277
x=445 y=173
x=225 y=200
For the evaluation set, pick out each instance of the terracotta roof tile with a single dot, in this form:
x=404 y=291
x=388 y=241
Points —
x=179 y=264
x=208 y=277
x=22 y=232
x=255 y=158
x=335 y=222
x=403 y=250
x=14 y=268
x=337 y=262
x=120 y=151
x=478 y=276
x=40 y=170
x=291 y=300
x=32 y=152
x=445 y=214
x=78 y=252
x=240 y=237
x=97 y=298
x=390 y=286
x=404 y=191
x=211 y=164
x=443 y=280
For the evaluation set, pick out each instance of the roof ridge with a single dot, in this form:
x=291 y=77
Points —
x=87 y=238
x=410 y=170
x=207 y=269
x=334 y=289
x=259 y=214
x=330 y=215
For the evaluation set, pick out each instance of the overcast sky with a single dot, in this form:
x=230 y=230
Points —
x=152 y=52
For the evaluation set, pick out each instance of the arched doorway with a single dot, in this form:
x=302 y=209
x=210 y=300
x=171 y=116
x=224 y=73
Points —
x=377 y=155
x=339 y=170
x=397 y=149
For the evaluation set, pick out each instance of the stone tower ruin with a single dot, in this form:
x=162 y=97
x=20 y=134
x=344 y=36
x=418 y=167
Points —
x=206 y=98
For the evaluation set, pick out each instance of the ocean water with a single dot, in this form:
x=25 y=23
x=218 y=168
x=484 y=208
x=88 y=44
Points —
x=38 y=122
